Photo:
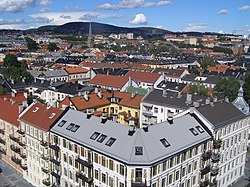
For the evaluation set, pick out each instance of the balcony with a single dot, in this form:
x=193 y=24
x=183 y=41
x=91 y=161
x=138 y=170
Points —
x=214 y=171
x=54 y=147
x=138 y=183
x=15 y=149
x=45 y=170
x=87 y=163
x=21 y=143
x=2 y=141
x=20 y=132
x=55 y=174
x=206 y=155
x=44 y=144
x=55 y=161
x=3 y=151
x=217 y=144
x=147 y=113
x=16 y=160
x=15 y=139
x=214 y=183
x=2 y=131
x=46 y=182
x=84 y=177
x=23 y=156
x=205 y=170
x=215 y=157
x=45 y=157
x=204 y=183
x=24 y=167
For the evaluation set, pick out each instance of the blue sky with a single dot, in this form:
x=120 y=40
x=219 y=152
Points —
x=176 y=15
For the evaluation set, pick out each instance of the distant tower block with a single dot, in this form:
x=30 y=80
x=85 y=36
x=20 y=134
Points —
x=90 y=37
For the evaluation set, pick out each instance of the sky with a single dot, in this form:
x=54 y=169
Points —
x=223 y=16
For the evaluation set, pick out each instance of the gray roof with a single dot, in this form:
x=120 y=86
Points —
x=221 y=113
x=48 y=74
x=210 y=79
x=178 y=135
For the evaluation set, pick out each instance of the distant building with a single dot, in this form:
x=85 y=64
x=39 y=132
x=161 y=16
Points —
x=90 y=37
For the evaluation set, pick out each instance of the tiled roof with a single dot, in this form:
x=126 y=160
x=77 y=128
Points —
x=109 y=81
x=217 y=68
x=75 y=70
x=18 y=98
x=40 y=116
x=143 y=76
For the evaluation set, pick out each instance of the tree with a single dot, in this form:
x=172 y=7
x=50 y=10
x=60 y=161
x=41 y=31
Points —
x=227 y=87
x=11 y=61
x=207 y=62
x=31 y=44
x=223 y=50
x=2 y=90
x=198 y=89
x=52 y=47
x=246 y=87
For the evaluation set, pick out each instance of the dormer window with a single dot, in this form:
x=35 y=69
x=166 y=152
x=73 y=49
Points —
x=52 y=115
x=35 y=109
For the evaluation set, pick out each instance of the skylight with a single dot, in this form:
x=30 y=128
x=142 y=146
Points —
x=71 y=125
x=194 y=131
x=101 y=138
x=75 y=128
x=110 y=142
x=61 y=123
x=201 y=130
x=94 y=135
x=165 y=142
x=35 y=109
x=138 y=150
x=52 y=115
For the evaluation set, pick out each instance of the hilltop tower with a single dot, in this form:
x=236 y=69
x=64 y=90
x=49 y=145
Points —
x=90 y=37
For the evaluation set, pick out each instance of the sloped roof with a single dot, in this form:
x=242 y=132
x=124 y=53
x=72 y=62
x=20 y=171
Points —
x=40 y=116
x=143 y=76
x=178 y=135
x=75 y=70
x=109 y=80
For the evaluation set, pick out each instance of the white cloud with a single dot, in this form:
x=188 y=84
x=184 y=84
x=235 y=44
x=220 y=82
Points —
x=65 y=17
x=44 y=10
x=139 y=19
x=196 y=27
x=130 y=4
x=74 y=8
x=16 y=5
x=89 y=17
x=221 y=32
x=223 y=12
x=244 y=8
x=45 y=2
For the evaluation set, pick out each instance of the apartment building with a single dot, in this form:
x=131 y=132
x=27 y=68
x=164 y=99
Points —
x=12 y=142
x=35 y=122
x=92 y=151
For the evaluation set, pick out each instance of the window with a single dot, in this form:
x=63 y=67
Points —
x=177 y=175
x=75 y=148
x=94 y=135
x=101 y=138
x=201 y=130
x=155 y=170
x=52 y=115
x=121 y=171
x=103 y=177
x=164 y=142
x=64 y=157
x=183 y=172
x=111 y=182
x=71 y=125
x=170 y=179
x=194 y=131
x=61 y=123
x=103 y=161
x=138 y=150
x=65 y=171
x=121 y=184
x=164 y=166
x=70 y=161
x=111 y=164
x=110 y=142
x=171 y=162
x=163 y=182
x=64 y=143
x=96 y=158
x=70 y=175
x=96 y=174
x=75 y=128
x=155 y=110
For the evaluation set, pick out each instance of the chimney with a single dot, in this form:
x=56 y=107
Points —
x=189 y=98
x=207 y=101
x=42 y=81
x=13 y=102
x=211 y=104
x=164 y=93
x=35 y=80
x=179 y=95
x=145 y=128
x=196 y=104
x=191 y=110
x=131 y=130
x=115 y=117
x=99 y=94
x=226 y=99
x=170 y=117
x=215 y=99
x=13 y=94
x=20 y=108
x=104 y=117
x=23 y=80
x=86 y=97
x=96 y=90
x=132 y=95
x=25 y=94
x=24 y=103
x=12 y=81
x=89 y=113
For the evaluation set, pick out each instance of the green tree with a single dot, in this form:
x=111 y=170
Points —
x=52 y=47
x=223 y=50
x=246 y=87
x=11 y=61
x=2 y=90
x=31 y=44
x=198 y=89
x=227 y=87
x=207 y=62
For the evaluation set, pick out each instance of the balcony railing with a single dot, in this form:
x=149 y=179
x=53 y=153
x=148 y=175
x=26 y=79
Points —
x=3 y=151
x=24 y=156
x=214 y=171
x=217 y=144
x=44 y=144
x=46 y=182
x=84 y=177
x=55 y=160
x=2 y=131
x=205 y=170
x=54 y=147
x=214 y=183
x=204 y=183
x=24 y=167
x=15 y=139
x=87 y=163
x=21 y=143
x=45 y=157
x=16 y=160
x=45 y=170
x=215 y=157
x=2 y=141
x=20 y=132
x=206 y=155
x=15 y=149
x=56 y=174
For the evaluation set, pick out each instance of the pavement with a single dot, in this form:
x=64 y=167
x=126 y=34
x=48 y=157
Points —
x=11 y=178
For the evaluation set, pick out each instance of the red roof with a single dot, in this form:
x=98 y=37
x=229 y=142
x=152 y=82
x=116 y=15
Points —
x=18 y=97
x=41 y=116
x=109 y=81
x=143 y=76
